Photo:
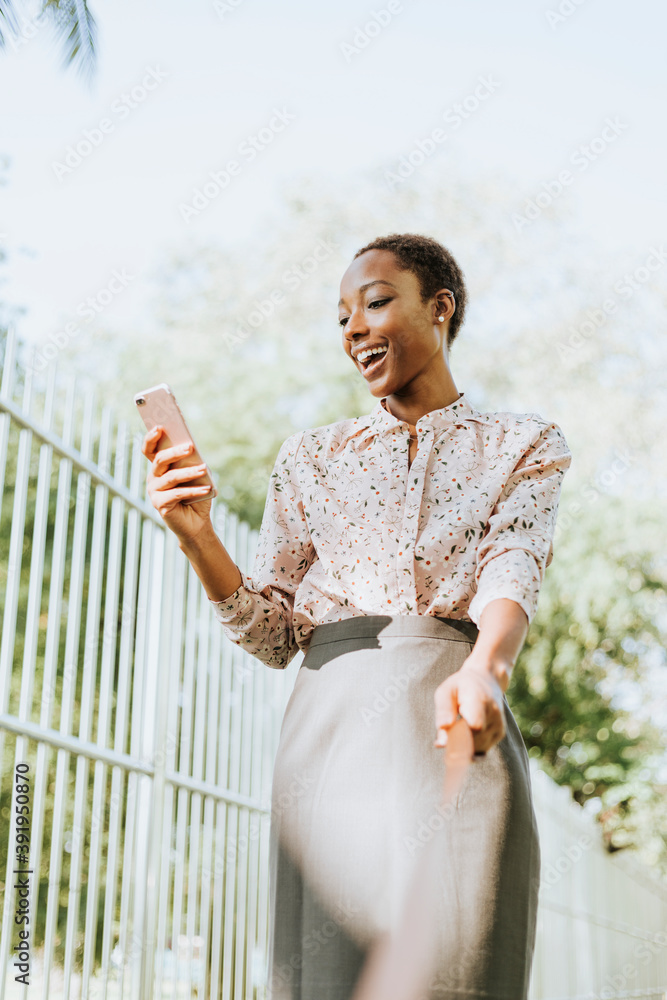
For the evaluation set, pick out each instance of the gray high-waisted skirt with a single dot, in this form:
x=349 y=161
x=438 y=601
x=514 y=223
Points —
x=357 y=787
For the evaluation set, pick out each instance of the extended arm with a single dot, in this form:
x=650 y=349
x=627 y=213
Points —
x=212 y=563
x=511 y=559
x=517 y=544
x=257 y=613
x=503 y=628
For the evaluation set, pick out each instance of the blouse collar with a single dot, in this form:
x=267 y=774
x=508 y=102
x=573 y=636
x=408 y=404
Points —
x=447 y=416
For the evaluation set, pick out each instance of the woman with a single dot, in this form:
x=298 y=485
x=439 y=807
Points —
x=403 y=552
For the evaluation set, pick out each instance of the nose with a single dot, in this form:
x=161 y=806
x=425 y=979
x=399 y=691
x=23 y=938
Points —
x=356 y=326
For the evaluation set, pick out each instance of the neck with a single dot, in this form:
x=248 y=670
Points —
x=412 y=402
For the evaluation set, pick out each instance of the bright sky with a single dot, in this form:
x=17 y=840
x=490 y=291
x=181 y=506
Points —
x=221 y=71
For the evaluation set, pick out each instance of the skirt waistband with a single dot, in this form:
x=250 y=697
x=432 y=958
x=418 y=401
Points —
x=372 y=626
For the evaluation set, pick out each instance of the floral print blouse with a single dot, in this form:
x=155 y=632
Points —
x=349 y=529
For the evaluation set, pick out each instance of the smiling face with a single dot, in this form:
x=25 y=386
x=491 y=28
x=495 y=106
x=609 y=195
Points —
x=381 y=308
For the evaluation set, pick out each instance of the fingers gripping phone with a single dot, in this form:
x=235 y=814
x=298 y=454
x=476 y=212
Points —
x=158 y=405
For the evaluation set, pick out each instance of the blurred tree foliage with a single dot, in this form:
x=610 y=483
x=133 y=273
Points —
x=602 y=618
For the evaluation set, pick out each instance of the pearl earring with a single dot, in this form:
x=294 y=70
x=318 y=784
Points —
x=441 y=319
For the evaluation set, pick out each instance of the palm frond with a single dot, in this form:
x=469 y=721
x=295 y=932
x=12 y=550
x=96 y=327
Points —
x=77 y=30
x=8 y=21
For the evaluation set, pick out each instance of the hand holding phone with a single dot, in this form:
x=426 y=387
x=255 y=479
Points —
x=179 y=483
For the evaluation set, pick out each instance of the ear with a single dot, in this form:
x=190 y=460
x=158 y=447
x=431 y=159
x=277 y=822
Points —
x=445 y=305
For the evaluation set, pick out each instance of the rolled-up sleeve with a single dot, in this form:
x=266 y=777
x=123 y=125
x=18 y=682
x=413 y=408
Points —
x=517 y=544
x=258 y=616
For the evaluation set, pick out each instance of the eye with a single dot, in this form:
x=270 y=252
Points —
x=375 y=302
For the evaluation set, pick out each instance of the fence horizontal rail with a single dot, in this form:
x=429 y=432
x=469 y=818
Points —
x=65 y=451
x=93 y=751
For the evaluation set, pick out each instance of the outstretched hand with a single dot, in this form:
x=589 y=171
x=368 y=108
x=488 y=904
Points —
x=474 y=693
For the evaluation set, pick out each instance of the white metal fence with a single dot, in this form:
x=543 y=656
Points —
x=149 y=738
x=602 y=918
x=149 y=742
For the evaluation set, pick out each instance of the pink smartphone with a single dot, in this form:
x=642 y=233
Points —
x=158 y=405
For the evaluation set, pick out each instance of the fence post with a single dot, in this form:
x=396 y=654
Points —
x=156 y=693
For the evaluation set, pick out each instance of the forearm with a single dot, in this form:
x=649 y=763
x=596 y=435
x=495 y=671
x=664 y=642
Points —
x=213 y=564
x=503 y=627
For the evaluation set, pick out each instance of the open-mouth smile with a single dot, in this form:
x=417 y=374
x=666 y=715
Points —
x=372 y=362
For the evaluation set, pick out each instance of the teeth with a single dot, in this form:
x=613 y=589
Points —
x=367 y=354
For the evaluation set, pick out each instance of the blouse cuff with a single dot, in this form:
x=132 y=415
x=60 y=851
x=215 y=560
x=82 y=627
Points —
x=237 y=603
x=515 y=575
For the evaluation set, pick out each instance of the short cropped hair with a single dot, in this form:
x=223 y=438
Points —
x=433 y=265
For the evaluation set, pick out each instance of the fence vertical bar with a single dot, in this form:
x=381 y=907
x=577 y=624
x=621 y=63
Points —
x=128 y=621
x=53 y=630
x=174 y=633
x=156 y=704
x=72 y=639
x=146 y=750
x=131 y=956
x=89 y=676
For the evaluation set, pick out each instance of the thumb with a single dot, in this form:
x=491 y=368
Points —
x=446 y=713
